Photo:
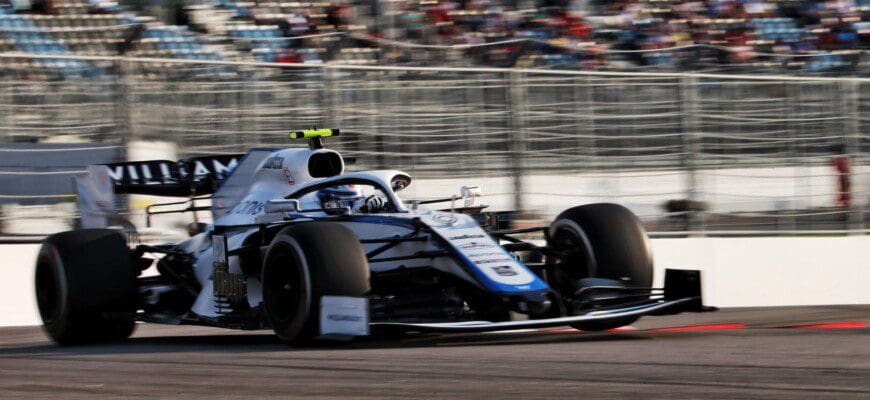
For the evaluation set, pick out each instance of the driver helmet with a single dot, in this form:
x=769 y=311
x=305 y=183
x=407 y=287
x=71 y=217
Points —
x=339 y=196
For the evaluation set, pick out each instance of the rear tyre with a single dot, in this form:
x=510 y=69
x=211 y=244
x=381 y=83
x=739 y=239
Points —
x=599 y=241
x=86 y=287
x=304 y=263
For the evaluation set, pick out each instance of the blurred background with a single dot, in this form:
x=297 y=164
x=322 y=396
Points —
x=706 y=118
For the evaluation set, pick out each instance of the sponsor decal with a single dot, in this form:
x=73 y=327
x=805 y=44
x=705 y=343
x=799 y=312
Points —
x=248 y=207
x=340 y=317
x=486 y=256
x=344 y=315
x=504 y=270
x=160 y=171
x=274 y=162
x=475 y=245
x=498 y=260
x=447 y=219
x=489 y=254
x=461 y=237
x=146 y=172
x=288 y=177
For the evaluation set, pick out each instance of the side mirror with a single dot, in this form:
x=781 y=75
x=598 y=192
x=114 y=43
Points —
x=469 y=193
x=400 y=182
x=281 y=206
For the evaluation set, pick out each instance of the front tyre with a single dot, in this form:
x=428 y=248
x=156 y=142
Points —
x=303 y=263
x=600 y=241
x=86 y=286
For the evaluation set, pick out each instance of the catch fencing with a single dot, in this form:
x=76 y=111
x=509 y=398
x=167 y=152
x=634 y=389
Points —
x=689 y=152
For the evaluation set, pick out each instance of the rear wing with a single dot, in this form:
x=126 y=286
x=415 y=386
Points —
x=197 y=176
x=188 y=177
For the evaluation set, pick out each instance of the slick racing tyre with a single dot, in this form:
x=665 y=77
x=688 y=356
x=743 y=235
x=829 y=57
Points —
x=303 y=263
x=86 y=286
x=603 y=241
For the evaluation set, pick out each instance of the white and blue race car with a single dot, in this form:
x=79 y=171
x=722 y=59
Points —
x=301 y=247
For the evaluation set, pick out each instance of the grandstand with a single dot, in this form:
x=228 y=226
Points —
x=754 y=146
x=807 y=37
x=75 y=28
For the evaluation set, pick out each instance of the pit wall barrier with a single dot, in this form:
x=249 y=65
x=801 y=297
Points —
x=737 y=272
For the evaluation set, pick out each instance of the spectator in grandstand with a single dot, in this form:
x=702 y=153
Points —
x=338 y=14
x=610 y=34
x=289 y=56
x=130 y=38
x=106 y=6
x=843 y=166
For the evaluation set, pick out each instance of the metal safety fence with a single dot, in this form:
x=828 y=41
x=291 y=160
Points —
x=688 y=152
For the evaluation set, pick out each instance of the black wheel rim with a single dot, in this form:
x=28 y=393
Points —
x=571 y=262
x=571 y=253
x=285 y=291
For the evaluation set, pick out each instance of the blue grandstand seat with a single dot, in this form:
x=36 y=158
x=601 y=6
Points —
x=29 y=37
x=238 y=10
x=781 y=29
x=179 y=42
x=825 y=63
x=264 y=40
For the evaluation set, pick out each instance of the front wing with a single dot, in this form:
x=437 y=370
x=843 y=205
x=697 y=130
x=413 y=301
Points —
x=682 y=293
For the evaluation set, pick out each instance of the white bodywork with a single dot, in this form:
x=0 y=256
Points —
x=274 y=174
x=270 y=189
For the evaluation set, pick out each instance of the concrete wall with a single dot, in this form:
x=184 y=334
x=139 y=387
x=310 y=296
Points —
x=645 y=192
x=17 y=300
x=788 y=271
x=737 y=272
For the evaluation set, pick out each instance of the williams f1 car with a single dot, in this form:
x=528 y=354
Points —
x=299 y=246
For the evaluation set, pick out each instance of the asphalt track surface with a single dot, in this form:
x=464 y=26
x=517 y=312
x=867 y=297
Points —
x=768 y=358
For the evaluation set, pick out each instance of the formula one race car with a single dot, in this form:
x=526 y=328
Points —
x=303 y=248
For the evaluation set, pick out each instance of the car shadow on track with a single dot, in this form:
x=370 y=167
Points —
x=266 y=342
